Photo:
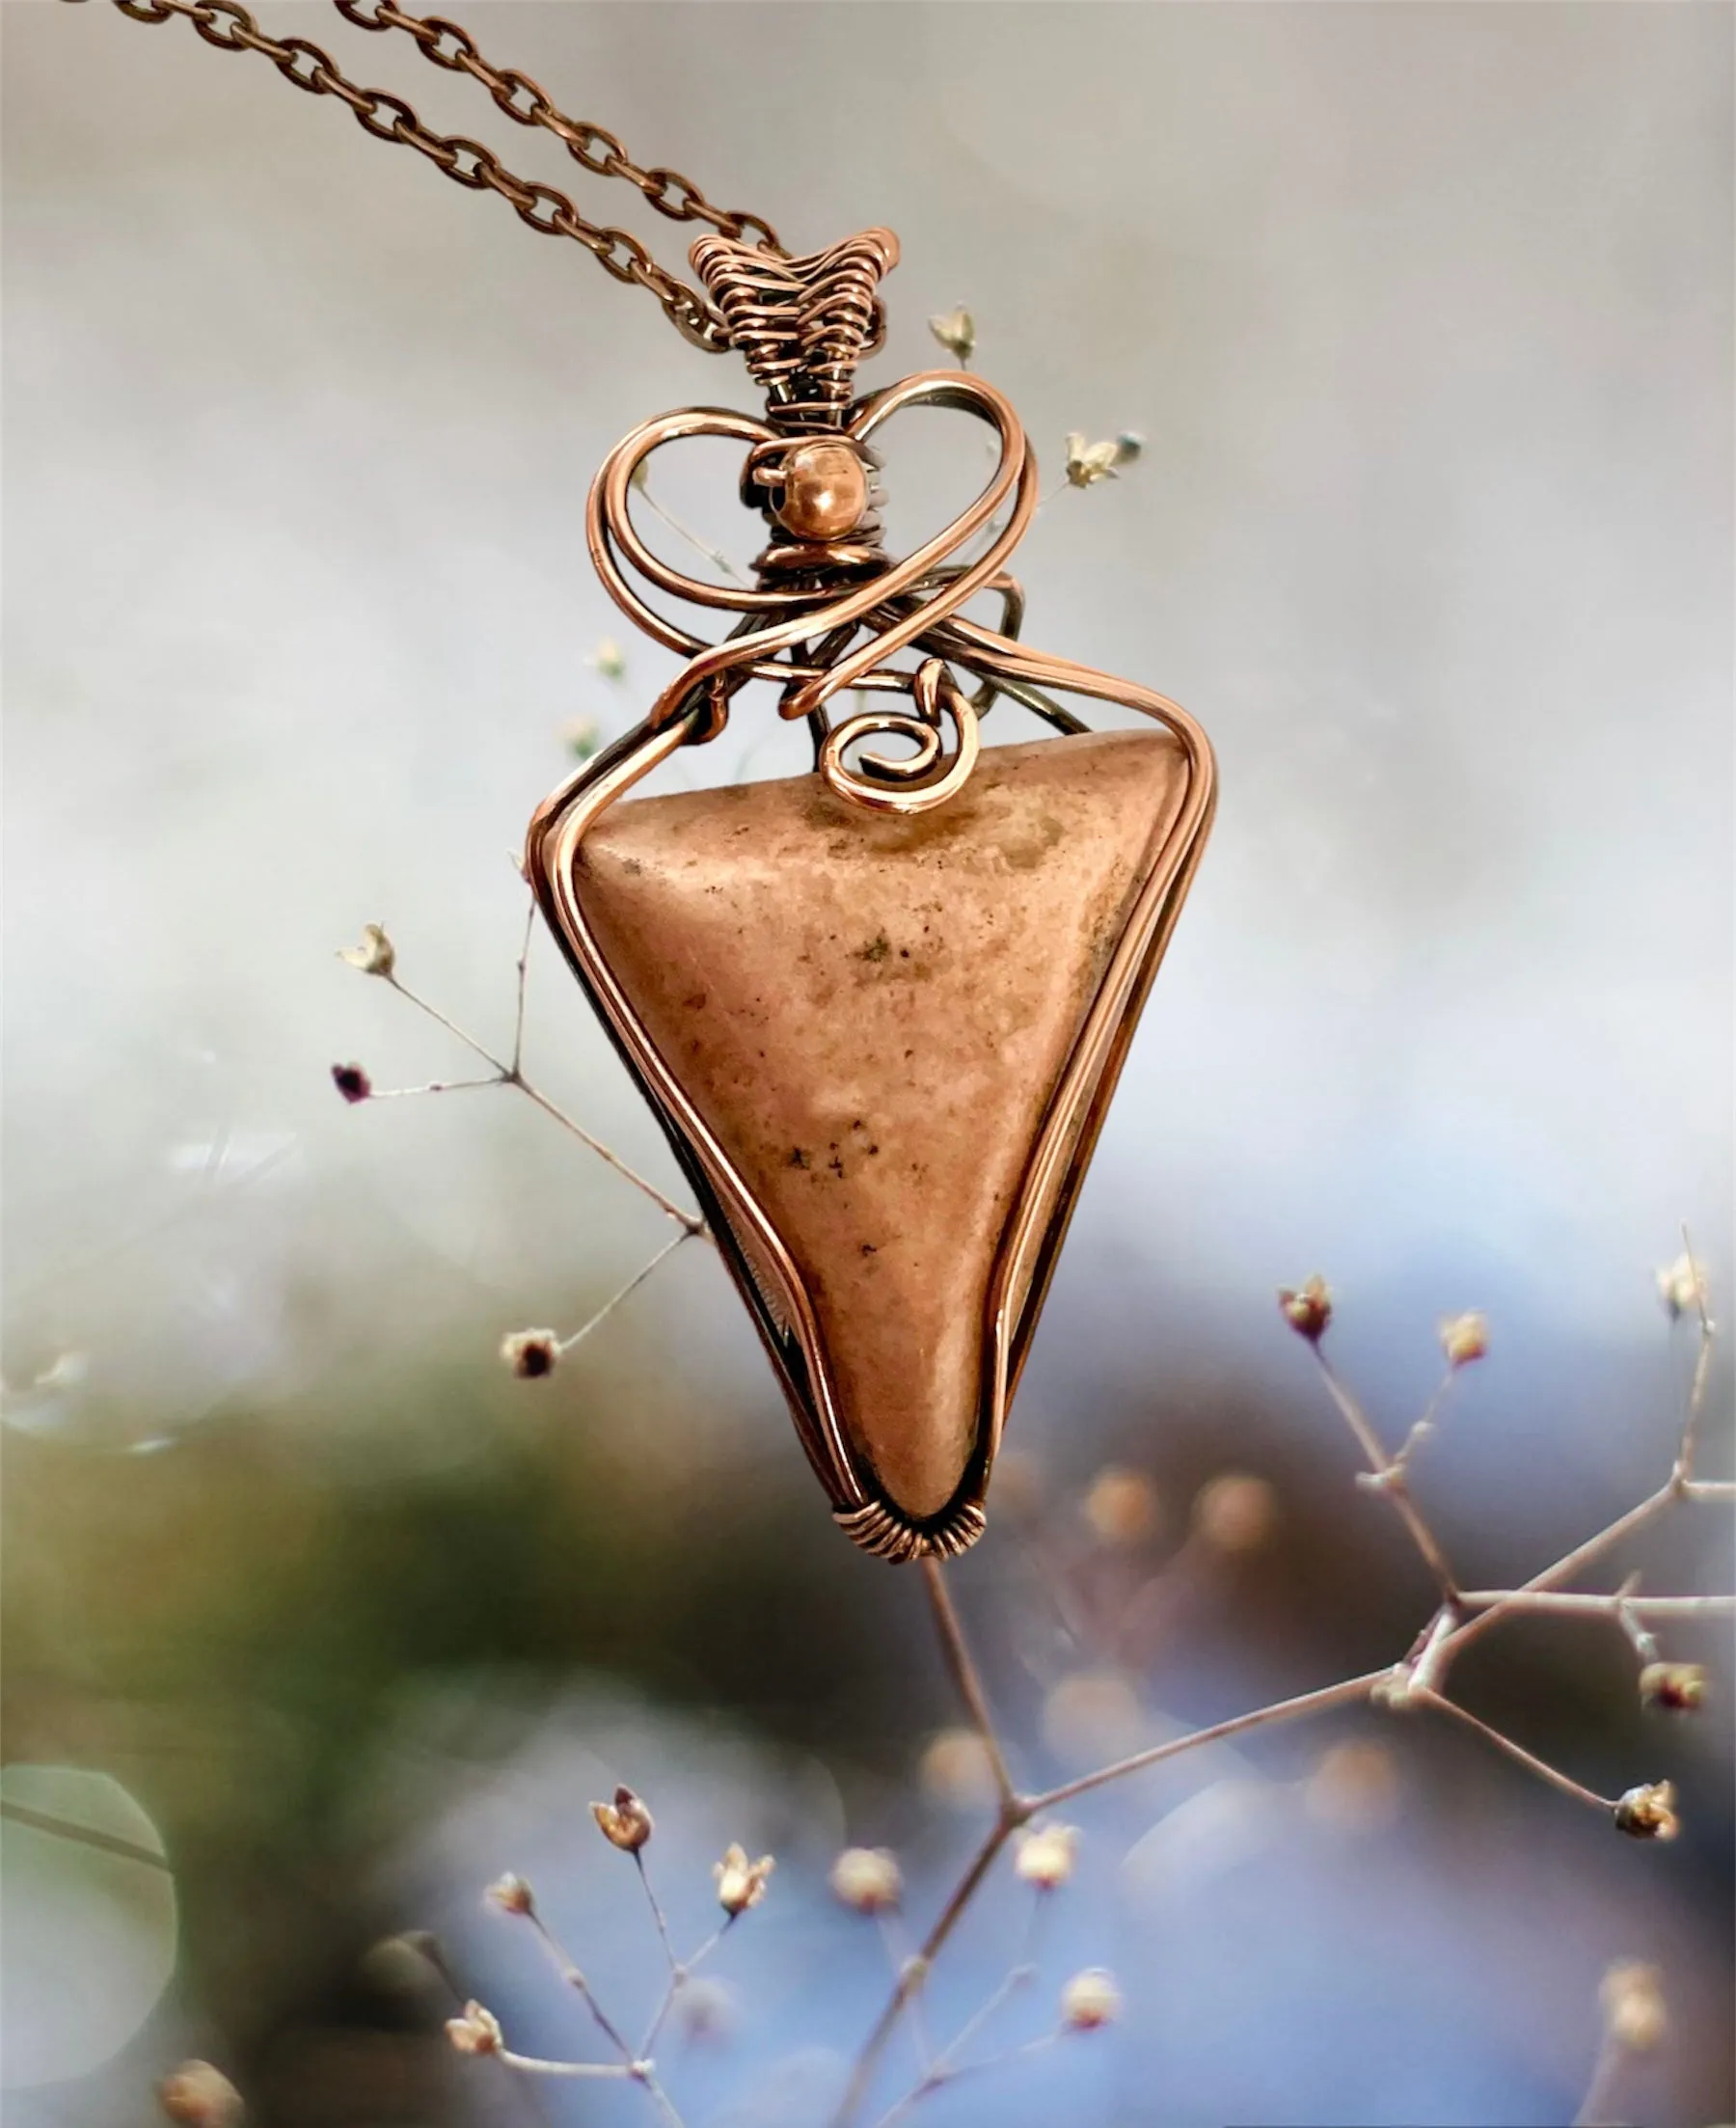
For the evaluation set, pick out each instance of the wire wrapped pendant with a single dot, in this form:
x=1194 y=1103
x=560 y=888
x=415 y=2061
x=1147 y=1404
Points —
x=878 y=1009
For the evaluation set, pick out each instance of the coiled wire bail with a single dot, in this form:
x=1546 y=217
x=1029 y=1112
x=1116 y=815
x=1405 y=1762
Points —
x=803 y=325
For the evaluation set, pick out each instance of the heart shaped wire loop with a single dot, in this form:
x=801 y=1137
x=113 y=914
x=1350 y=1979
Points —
x=797 y=634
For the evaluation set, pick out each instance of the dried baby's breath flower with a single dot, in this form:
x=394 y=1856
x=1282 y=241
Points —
x=1682 y=1287
x=1630 y=1997
x=1679 y=1686
x=200 y=2096
x=376 y=955
x=740 y=1883
x=867 y=1880
x=1090 y=2000
x=512 y=1895
x=1122 y=1506
x=957 y=1769
x=476 y=2031
x=583 y=738
x=351 y=1081
x=625 y=1823
x=609 y=658
x=1308 y=1307
x=1089 y=463
x=1648 y=1811
x=531 y=1353
x=1464 y=1337
x=1046 y=1856
x=956 y=331
x=1236 y=1513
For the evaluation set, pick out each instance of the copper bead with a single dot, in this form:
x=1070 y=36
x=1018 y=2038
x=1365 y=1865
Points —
x=824 y=492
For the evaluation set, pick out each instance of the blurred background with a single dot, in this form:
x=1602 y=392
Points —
x=1425 y=315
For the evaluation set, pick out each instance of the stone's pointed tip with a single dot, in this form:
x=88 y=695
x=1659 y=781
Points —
x=871 y=1016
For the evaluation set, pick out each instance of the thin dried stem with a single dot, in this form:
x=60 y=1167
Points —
x=1020 y=1808
x=656 y=1913
x=1428 y=1423
x=711 y=1943
x=898 y=1956
x=1544 y=1771
x=451 y=1027
x=1571 y=1603
x=1386 y=1475
x=963 y=1666
x=940 y=2077
x=569 y=1972
x=523 y=970
x=534 y=2065
x=911 y=1979
x=1633 y=1627
x=676 y=1981
x=1703 y=1366
x=511 y=1075
x=1594 y=2109
x=716 y=556
x=1343 y=1694
x=1566 y=1566
x=434 y=1086
x=690 y=1220
x=1018 y=1978
x=646 y=2074
x=609 y=1307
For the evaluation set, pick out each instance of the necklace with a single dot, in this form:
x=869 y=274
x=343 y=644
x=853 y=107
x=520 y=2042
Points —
x=878 y=1009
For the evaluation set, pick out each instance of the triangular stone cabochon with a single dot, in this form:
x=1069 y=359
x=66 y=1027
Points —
x=871 y=1012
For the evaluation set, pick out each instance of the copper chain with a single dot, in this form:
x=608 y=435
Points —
x=543 y=208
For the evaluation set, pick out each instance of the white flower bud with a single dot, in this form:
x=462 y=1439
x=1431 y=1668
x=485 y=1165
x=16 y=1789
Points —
x=1046 y=1856
x=1464 y=1338
x=1090 y=2000
x=376 y=955
x=867 y=1880
x=956 y=332
x=476 y=2031
x=625 y=1823
x=1089 y=463
x=740 y=1883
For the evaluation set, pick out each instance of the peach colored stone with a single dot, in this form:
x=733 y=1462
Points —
x=871 y=1013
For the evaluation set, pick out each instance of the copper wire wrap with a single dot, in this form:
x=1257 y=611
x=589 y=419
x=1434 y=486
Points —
x=801 y=325
x=831 y=612
x=797 y=631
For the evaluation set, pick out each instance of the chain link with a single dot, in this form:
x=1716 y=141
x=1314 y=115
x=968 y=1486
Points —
x=543 y=208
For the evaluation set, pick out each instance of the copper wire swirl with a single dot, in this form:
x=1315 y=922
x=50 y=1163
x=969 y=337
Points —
x=785 y=627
